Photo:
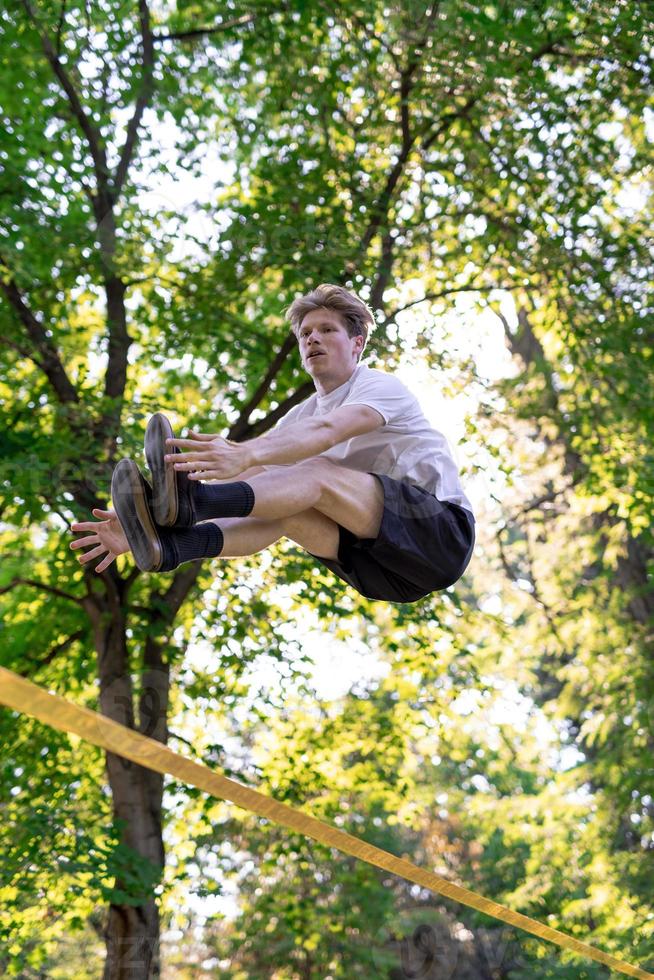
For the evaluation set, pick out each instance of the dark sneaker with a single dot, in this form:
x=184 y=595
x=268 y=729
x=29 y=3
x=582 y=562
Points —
x=172 y=501
x=131 y=495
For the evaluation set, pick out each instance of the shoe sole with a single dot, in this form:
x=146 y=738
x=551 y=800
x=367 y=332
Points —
x=165 y=498
x=129 y=496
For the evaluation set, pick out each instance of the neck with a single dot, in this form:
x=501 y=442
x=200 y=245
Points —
x=326 y=385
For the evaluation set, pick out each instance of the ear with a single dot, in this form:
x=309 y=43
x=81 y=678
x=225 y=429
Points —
x=358 y=344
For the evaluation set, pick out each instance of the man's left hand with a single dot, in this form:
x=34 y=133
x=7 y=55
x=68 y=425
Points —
x=209 y=457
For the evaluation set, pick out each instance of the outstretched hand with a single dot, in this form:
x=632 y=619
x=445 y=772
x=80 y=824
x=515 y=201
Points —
x=107 y=538
x=208 y=457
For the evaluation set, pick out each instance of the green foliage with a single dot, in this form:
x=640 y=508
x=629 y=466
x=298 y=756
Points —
x=450 y=161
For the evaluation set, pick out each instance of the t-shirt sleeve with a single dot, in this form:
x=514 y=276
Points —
x=385 y=393
x=286 y=419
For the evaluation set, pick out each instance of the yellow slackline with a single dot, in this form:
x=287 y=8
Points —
x=23 y=695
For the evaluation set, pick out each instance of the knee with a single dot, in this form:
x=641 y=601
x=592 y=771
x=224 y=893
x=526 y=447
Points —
x=316 y=467
x=316 y=473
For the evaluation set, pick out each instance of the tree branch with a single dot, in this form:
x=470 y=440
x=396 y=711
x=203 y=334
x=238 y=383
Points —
x=54 y=652
x=144 y=96
x=380 y=212
x=48 y=361
x=407 y=84
x=241 y=424
x=60 y=25
x=384 y=270
x=23 y=351
x=545 y=498
x=43 y=587
x=432 y=297
x=180 y=587
x=357 y=19
x=92 y=136
x=204 y=31
x=514 y=575
x=263 y=425
x=599 y=57
x=103 y=201
x=446 y=120
x=119 y=339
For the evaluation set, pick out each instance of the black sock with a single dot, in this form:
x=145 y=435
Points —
x=189 y=544
x=222 y=500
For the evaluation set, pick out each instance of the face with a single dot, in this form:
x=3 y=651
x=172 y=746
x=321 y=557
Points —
x=328 y=353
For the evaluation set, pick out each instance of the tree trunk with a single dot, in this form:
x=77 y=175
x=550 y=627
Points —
x=632 y=575
x=132 y=928
x=132 y=938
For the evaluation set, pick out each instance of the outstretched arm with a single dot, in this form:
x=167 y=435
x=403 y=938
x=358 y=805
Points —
x=209 y=457
x=107 y=539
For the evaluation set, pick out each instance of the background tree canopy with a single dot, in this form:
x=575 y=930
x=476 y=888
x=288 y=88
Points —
x=171 y=177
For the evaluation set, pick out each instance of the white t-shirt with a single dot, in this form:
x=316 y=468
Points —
x=405 y=448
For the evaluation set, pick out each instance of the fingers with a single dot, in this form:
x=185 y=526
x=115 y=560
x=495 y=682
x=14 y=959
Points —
x=104 y=515
x=208 y=475
x=85 y=526
x=83 y=542
x=96 y=552
x=205 y=469
x=184 y=457
x=202 y=436
x=90 y=555
x=188 y=443
x=106 y=562
x=190 y=461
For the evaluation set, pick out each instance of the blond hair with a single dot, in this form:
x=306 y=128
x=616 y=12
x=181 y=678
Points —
x=357 y=317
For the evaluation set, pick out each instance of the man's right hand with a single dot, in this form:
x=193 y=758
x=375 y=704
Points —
x=107 y=537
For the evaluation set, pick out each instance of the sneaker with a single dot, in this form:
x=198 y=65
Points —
x=132 y=495
x=172 y=500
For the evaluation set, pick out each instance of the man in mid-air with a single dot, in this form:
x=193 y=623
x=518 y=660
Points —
x=355 y=475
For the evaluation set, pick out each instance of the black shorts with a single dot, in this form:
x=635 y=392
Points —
x=423 y=545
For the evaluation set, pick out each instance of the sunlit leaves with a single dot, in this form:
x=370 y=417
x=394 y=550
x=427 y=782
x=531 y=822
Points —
x=419 y=152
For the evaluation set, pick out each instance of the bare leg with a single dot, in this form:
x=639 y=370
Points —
x=314 y=531
x=347 y=497
x=245 y=475
x=310 y=529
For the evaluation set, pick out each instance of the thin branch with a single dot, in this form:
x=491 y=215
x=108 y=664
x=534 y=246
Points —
x=240 y=425
x=131 y=577
x=383 y=272
x=432 y=297
x=267 y=423
x=61 y=647
x=60 y=25
x=87 y=127
x=597 y=57
x=535 y=591
x=545 y=498
x=52 y=653
x=446 y=120
x=180 y=587
x=180 y=738
x=119 y=340
x=43 y=587
x=49 y=361
x=103 y=203
x=367 y=30
x=22 y=350
x=380 y=212
x=407 y=84
x=147 y=86
x=204 y=31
